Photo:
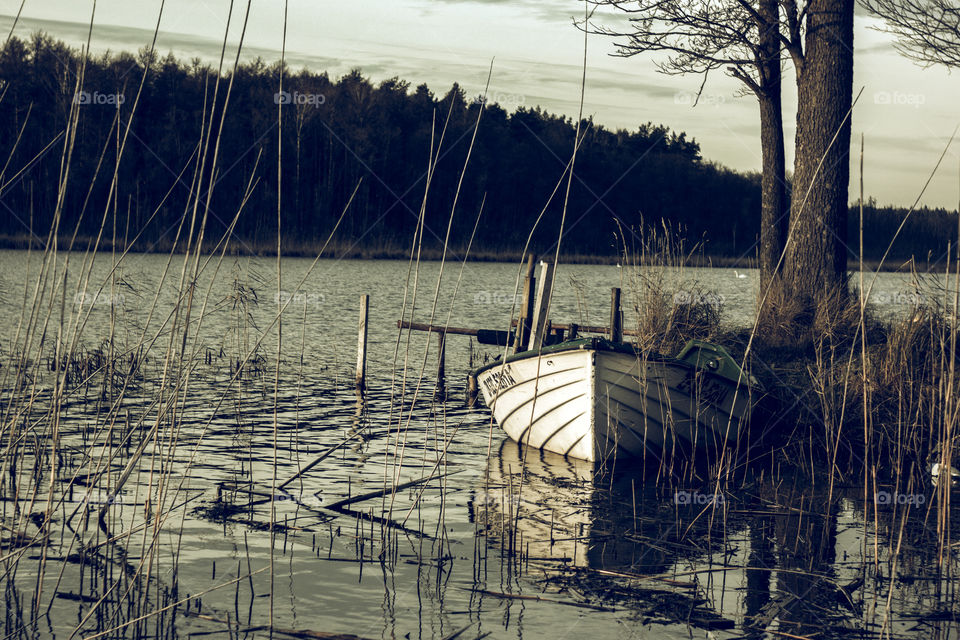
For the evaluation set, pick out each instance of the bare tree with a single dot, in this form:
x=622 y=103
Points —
x=927 y=31
x=744 y=39
x=815 y=265
x=748 y=38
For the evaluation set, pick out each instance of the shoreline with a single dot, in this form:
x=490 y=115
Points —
x=429 y=254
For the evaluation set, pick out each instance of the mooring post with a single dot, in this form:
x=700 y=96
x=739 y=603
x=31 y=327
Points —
x=441 y=362
x=616 y=318
x=362 y=343
x=526 y=309
x=538 y=321
x=472 y=391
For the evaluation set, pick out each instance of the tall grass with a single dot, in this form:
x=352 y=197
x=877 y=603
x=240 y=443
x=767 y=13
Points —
x=669 y=305
x=97 y=454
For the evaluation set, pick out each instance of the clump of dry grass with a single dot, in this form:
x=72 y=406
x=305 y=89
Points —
x=855 y=387
x=910 y=385
x=671 y=308
x=665 y=322
x=785 y=321
x=875 y=393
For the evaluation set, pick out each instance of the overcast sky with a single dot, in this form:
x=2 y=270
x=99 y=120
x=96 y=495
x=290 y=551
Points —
x=906 y=113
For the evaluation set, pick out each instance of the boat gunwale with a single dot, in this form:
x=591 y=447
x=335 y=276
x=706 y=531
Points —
x=580 y=344
x=602 y=344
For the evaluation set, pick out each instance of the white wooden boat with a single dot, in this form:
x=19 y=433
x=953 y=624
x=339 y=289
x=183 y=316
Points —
x=594 y=399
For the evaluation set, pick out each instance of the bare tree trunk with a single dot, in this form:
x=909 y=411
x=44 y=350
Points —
x=816 y=260
x=774 y=213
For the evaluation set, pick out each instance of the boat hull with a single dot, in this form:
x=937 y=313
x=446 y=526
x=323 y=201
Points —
x=596 y=404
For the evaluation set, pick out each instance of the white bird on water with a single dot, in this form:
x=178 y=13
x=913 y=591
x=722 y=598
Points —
x=936 y=467
x=738 y=274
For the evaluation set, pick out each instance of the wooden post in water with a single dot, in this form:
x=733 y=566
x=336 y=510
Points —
x=538 y=322
x=526 y=309
x=472 y=391
x=616 y=317
x=362 y=344
x=441 y=362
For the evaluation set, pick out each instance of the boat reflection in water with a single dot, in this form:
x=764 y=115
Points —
x=773 y=557
x=605 y=537
x=542 y=505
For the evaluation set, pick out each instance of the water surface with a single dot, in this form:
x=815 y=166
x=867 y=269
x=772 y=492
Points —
x=500 y=540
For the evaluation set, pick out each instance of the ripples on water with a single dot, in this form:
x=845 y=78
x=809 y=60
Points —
x=506 y=541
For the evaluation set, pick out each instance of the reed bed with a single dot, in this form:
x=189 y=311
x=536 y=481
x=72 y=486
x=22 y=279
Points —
x=862 y=404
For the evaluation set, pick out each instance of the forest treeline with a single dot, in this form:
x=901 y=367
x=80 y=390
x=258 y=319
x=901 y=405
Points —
x=336 y=133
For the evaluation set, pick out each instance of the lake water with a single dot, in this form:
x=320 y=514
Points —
x=502 y=541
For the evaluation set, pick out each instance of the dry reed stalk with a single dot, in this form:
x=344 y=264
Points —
x=66 y=348
x=414 y=265
x=276 y=378
x=413 y=269
x=398 y=458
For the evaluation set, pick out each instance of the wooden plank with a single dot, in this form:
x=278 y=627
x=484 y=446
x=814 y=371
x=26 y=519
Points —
x=498 y=338
x=526 y=309
x=483 y=336
x=435 y=328
x=441 y=363
x=538 y=322
x=318 y=460
x=387 y=491
x=586 y=328
x=362 y=343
